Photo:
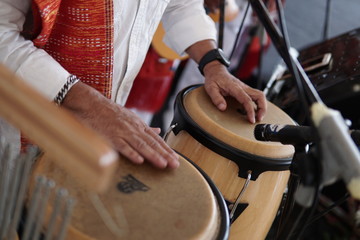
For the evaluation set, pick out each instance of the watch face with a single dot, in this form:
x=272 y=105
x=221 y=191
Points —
x=221 y=52
x=223 y=57
x=212 y=55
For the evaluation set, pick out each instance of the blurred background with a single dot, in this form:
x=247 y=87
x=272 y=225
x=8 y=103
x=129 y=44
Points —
x=305 y=23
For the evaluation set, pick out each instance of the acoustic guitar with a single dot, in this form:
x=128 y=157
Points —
x=231 y=11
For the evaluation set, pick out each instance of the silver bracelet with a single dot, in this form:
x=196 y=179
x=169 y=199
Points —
x=71 y=80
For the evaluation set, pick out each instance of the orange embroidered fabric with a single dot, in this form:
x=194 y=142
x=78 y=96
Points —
x=79 y=35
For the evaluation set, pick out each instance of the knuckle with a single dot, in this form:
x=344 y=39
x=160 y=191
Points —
x=120 y=145
x=154 y=144
x=140 y=144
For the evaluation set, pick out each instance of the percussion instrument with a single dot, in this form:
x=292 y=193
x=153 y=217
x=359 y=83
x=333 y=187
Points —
x=145 y=203
x=251 y=175
x=14 y=179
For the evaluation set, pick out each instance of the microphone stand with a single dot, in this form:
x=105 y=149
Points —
x=280 y=43
x=302 y=193
x=334 y=145
x=221 y=23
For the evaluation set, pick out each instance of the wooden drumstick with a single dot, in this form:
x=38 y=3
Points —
x=79 y=150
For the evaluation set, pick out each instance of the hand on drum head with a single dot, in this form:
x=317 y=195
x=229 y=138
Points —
x=127 y=133
x=219 y=83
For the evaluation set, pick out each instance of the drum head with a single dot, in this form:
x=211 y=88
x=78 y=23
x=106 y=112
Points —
x=232 y=126
x=142 y=203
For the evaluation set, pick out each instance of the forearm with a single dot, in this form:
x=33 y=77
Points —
x=197 y=52
x=199 y=49
x=84 y=100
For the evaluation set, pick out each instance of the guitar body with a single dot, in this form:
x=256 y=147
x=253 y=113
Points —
x=231 y=11
x=161 y=48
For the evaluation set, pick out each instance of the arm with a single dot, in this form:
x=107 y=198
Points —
x=124 y=130
x=197 y=40
x=33 y=65
x=128 y=134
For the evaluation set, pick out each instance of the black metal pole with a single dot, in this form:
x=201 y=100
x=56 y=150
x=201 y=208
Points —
x=279 y=42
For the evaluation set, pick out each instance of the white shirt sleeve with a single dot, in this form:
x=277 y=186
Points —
x=185 y=23
x=30 y=63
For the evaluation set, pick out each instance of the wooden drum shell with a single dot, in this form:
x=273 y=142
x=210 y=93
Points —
x=174 y=204
x=265 y=193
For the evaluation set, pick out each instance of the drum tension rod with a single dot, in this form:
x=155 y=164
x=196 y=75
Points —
x=169 y=130
x=233 y=209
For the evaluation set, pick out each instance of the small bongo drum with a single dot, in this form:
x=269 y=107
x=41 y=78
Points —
x=145 y=203
x=252 y=175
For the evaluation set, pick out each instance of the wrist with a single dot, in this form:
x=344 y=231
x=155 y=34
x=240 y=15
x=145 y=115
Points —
x=81 y=98
x=213 y=57
x=70 y=82
x=213 y=68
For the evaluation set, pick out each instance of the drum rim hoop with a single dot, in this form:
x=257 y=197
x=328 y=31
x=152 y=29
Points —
x=225 y=218
x=245 y=161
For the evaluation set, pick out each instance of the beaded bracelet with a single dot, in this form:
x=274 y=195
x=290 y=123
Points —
x=72 y=79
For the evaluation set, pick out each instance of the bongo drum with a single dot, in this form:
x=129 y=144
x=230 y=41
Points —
x=252 y=175
x=145 y=203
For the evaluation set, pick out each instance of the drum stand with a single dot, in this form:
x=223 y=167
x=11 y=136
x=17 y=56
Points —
x=304 y=172
x=332 y=151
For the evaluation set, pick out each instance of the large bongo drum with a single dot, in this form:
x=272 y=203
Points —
x=252 y=175
x=145 y=203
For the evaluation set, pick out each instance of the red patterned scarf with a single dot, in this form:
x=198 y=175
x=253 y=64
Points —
x=79 y=35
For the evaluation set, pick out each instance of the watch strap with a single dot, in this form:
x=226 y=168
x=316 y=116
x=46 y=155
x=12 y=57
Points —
x=212 y=55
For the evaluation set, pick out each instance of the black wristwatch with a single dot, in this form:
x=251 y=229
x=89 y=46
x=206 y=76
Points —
x=212 y=55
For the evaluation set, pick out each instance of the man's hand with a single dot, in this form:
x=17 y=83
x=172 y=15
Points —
x=220 y=83
x=127 y=133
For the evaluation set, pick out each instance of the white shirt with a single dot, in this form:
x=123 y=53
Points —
x=135 y=22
